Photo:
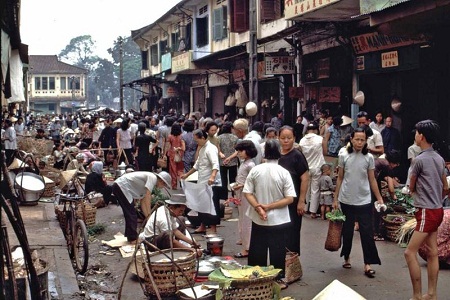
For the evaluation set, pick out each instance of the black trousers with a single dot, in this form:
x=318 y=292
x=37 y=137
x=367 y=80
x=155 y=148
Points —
x=363 y=215
x=272 y=238
x=129 y=213
x=293 y=242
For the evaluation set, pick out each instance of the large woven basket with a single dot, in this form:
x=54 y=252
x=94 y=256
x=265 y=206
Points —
x=333 y=241
x=392 y=226
x=87 y=212
x=251 y=289
x=167 y=276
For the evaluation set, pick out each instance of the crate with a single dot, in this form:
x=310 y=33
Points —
x=88 y=216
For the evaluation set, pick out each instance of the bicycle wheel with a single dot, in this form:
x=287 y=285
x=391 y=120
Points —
x=69 y=230
x=80 y=243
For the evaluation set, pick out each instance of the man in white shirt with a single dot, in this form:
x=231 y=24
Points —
x=241 y=130
x=375 y=142
x=163 y=228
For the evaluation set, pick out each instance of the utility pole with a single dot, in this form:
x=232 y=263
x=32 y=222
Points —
x=253 y=56
x=121 y=72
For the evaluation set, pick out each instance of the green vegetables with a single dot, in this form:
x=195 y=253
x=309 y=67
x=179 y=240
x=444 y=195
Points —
x=335 y=216
x=404 y=203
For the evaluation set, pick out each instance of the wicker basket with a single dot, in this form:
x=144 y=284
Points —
x=60 y=216
x=251 y=289
x=166 y=275
x=87 y=212
x=50 y=187
x=334 y=236
x=392 y=226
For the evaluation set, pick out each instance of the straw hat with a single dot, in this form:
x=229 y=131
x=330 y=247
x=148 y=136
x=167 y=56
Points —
x=251 y=109
x=13 y=119
x=346 y=120
x=176 y=199
x=16 y=164
x=165 y=177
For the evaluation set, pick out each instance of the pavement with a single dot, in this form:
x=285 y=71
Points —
x=320 y=267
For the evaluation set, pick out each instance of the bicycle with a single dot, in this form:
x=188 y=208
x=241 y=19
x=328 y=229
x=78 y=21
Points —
x=75 y=231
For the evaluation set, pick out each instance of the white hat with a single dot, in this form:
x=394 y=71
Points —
x=251 y=109
x=165 y=177
x=177 y=199
x=119 y=120
x=13 y=119
x=346 y=120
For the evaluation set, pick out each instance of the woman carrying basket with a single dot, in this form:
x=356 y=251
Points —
x=355 y=180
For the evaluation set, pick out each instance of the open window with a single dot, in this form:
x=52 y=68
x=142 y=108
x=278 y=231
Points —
x=154 y=55
x=202 y=31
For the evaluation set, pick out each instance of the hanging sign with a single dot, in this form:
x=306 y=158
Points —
x=330 y=94
x=279 y=65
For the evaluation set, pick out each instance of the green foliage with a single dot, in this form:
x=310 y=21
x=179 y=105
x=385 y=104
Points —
x=96 y=229
x=404 y=202
x=335 y=216
x=158 y=195
x=80 y=52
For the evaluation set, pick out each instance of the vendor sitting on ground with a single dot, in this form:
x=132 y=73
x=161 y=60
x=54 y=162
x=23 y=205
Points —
x=96 y=182
x=162 y=221
x=77 y=164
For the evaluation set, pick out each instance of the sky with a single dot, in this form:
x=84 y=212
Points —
x=47 y=26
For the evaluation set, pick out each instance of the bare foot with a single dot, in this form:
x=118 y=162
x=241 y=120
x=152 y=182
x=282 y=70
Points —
x=428 y=297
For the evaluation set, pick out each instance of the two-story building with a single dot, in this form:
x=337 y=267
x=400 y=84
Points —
x=55 y=86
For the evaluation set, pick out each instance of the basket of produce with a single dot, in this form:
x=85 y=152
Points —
x=171 y=270
x=404 y=204
x=392 y=224
x=87 y=212
x=247 y=283
x=335 y=223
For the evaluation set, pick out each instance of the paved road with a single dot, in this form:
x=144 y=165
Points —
x=320 y=267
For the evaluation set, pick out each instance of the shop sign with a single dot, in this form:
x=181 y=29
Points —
x=166 y=62
x=330 y=94
x=239 y=75
x=296 y=8
x=296 y=91
x=278 y=65
x=389 y=59
x=181 y=62
x=218 y=79
x=323 y=68
x=262 y=70
x=371 y=42
x=199 y=80
x=370 y=6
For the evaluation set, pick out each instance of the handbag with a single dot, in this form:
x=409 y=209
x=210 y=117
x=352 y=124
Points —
x=333 y=241
x=293 y=268
x=177 y=157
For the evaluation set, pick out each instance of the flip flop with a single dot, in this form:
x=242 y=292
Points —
x=240 y=255
x=283 y=284
x=369 y=273
x=347 y=265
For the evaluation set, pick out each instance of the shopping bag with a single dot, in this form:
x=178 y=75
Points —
x=333 y=241
x=293 y=269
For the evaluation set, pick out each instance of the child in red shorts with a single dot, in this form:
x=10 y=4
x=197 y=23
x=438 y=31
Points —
x=428 y=185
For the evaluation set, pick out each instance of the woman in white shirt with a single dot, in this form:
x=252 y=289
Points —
x=123 y=140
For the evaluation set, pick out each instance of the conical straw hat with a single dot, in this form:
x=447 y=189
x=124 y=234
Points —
x=16 y=164
x=66 y=176
x=346 y=120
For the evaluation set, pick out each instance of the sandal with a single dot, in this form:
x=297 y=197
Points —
x=240 y=255
x=369 y=273
x=378 y=238
x=282 y=284
x=347 y=265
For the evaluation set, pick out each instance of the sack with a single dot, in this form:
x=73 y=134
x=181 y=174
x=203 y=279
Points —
x=333 y=241
x=293 y=268
x=177 y=157
x=162 y=163
x=231 y=100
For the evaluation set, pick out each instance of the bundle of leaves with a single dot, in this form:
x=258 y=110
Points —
x=96 y=229
x=335 y=215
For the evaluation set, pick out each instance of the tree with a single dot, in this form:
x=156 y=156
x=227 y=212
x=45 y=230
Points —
x=80 y=52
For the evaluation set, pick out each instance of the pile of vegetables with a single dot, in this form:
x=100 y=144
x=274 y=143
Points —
x=335 y=216
x=404 y=203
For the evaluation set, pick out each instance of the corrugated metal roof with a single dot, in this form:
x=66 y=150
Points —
x=369 y=9
x=49 y=64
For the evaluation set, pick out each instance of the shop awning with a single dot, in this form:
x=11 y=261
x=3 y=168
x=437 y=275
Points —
x=322 y=11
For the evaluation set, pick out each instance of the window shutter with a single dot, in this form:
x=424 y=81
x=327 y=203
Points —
x=267 y=10
x=154 y=55
x=224 y=22
x=217 y=32
x=240 y=15
x=277 y=9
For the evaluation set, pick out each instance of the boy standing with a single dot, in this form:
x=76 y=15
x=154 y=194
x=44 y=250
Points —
x=326 y=190
x=427 y=184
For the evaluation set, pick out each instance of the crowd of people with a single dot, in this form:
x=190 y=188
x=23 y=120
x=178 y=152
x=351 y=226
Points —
x=277 y=173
